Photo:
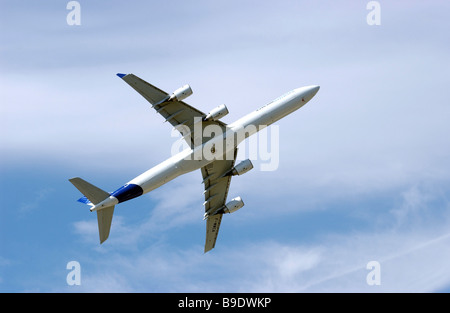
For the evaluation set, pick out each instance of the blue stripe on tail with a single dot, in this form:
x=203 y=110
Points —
x=84 y=200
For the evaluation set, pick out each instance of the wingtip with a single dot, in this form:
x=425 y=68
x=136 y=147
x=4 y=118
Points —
x=121 y=75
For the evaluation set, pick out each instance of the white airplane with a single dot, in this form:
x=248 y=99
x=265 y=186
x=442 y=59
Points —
x=214 y=155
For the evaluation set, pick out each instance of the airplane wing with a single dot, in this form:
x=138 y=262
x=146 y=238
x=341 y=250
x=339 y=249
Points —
x=216 y=191
x=179 y=114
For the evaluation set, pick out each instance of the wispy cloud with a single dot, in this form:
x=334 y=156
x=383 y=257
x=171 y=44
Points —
x=411 y=259
x=273 y=267
x=35 y=201
x=378 y=127
x=165 y=212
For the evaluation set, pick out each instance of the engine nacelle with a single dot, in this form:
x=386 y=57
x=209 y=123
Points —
x=242 y=167
x=234 y=205
x=181 y=93
x=216 y=113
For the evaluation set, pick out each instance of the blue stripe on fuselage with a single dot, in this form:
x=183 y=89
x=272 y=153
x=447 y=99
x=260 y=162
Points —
x=127 y=192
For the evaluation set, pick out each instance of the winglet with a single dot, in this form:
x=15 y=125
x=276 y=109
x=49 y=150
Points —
x=121 y=75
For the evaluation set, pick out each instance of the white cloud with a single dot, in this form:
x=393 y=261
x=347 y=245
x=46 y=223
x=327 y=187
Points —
x=378 y=125
x=26 y=207
x=412 y=256
x=408 y=264
x=163 y=211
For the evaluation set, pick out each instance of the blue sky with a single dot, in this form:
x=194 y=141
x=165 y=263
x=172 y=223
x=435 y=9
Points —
x=364 y=172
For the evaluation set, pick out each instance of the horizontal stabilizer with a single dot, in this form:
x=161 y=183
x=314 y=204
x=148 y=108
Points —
x=85 y=200
x=94 y=194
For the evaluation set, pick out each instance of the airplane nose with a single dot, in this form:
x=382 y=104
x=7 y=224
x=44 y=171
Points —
x=314 y=90
x=310 y=92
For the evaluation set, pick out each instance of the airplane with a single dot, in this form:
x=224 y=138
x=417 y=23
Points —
x=214 y=155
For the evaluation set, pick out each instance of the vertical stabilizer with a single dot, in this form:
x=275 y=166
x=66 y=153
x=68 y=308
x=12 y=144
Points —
x=104 y=219
x=96 y=195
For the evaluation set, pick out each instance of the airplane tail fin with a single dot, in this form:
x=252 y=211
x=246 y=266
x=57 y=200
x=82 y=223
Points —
x=104 y=219
x=94 y=196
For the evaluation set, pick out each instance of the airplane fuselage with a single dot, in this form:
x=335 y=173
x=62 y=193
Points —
x=216 y=148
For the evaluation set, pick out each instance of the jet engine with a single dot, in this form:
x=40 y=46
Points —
x=231 y=206
x=216 y=113
x=234 y=205
x=242 y=167
x=181 y=93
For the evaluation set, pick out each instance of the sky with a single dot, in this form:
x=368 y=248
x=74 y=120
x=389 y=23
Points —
x=363 y=169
